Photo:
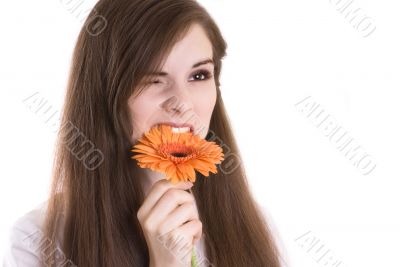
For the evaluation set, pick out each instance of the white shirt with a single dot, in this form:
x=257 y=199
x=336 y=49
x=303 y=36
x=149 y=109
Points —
x=26 y=241
x=23 y=235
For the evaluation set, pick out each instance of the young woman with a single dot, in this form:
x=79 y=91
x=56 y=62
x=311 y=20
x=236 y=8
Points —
x=152 y=62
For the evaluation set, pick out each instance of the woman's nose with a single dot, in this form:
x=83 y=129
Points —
x=179 y=101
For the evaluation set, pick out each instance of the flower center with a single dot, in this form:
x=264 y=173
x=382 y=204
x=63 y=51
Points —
x=178 y=154
x=176 y=151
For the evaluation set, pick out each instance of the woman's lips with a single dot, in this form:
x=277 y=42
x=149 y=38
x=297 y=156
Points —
x=179 y=127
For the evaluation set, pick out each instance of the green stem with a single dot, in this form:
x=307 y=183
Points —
x=194 y=261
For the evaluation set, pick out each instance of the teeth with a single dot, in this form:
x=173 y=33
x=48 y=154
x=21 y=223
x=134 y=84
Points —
x=181 y=130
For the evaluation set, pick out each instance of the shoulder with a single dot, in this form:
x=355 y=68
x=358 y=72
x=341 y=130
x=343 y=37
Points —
x=25 y=237
x=274 y=230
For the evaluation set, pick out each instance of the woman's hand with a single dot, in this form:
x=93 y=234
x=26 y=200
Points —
x=170 y=223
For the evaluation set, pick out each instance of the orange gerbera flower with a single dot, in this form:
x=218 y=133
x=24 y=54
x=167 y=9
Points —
x=178 y=155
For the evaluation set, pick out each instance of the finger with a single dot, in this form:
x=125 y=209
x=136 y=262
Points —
x=185 y=235
x=184 y=213
x=156 y=191
x=168 y=202
x=192 y=229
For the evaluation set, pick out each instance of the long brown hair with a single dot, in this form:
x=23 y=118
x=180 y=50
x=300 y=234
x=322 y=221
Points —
x=95 y=188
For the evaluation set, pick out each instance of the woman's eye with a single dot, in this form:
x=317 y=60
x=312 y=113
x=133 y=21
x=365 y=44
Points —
x=156 y=82
x=202 y=75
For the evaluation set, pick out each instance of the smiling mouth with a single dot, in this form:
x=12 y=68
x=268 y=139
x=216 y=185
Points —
x=179 y=128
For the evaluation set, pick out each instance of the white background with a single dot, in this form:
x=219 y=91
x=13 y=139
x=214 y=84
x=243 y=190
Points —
x=279 y=53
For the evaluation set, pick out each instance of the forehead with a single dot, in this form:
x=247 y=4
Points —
x=192 y=48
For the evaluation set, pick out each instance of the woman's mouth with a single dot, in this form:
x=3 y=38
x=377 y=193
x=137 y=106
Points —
x=179 y=128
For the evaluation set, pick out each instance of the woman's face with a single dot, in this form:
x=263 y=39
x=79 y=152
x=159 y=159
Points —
x=183 y=93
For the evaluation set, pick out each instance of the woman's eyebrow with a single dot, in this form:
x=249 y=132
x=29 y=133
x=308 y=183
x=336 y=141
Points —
x=202 y=62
